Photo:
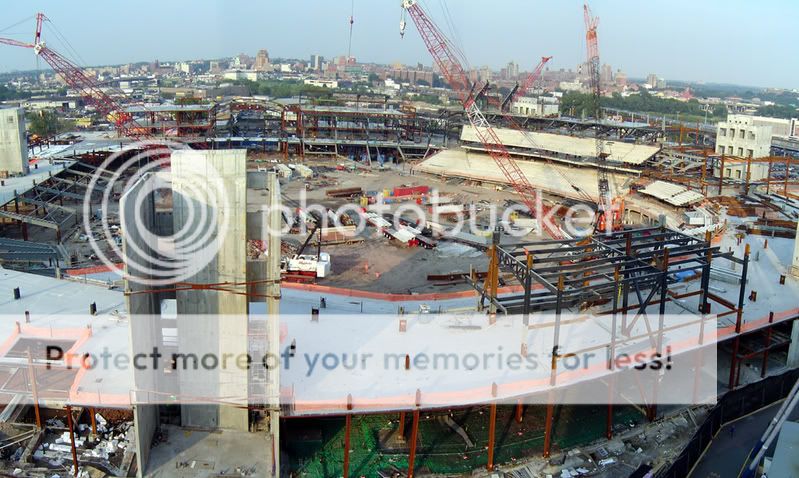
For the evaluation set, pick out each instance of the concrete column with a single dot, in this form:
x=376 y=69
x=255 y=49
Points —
x=795 y=264
x=213 y=321
x=793 y=349
x=273 y=309
x=143 y=309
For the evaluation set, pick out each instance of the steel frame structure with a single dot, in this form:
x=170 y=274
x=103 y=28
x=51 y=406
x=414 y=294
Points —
x=694 y=167
x=587 y=267
x=187 y=121
x=611 y=269
x=43 y=204
x=326 y=130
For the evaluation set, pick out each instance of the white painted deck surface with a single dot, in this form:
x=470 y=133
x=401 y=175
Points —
x=351 y=324
x=56 y=306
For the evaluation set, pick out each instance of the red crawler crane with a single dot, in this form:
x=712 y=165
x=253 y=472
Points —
x=452 y=70
x=605 y=205
x=76 y=79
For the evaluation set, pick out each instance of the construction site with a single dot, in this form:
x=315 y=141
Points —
x=466 y=231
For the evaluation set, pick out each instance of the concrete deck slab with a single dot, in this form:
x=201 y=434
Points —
x=199 y=454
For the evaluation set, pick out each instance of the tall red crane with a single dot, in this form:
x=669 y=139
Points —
x=520 y=90
x=511 y=121
x=605 y=205
x=79 y=81
x=453 y=72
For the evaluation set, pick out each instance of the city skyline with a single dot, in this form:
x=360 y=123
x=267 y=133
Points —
x=243 y=27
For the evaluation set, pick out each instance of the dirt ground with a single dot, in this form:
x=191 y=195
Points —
x=378 y=264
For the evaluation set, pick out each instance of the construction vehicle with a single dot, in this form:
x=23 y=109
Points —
x=317 y=266
x=302 y=265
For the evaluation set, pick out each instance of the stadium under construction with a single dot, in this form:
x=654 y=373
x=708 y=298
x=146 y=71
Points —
x=627 y=236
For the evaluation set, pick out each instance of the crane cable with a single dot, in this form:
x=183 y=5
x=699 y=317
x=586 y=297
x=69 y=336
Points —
x=76 y=59
x=558 y=168
x=17 y=24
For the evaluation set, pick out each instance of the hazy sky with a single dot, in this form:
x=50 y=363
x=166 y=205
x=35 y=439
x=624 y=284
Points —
x=745 y=42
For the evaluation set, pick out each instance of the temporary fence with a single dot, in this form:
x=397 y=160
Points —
x=734 y=404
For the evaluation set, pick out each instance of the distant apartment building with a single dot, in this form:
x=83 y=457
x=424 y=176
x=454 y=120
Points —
x=13 y=142
x=241 y=75
x=570 y=85
x=606 y=74
x=511 y=71
x=316 y=62
x=262 y=61
x=741 y=137
x=241 y=61
x=61 y=104
x=183 y=67
x=411 y=76
x=621 y=79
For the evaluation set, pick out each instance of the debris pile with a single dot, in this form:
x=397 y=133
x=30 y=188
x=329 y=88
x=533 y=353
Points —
x=105 y=451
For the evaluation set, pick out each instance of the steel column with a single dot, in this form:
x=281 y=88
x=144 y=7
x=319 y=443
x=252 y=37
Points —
x=553 y=373
x=72 y=441
x=34 y=390
x=347 y=432
x=764 y=365
x=401 y=427
x=94 y=420
x=528 y=285
x=492 y=425
x=414 y=436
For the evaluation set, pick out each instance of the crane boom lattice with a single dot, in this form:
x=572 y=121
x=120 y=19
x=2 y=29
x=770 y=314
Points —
x=76 y=79
x=453 y=72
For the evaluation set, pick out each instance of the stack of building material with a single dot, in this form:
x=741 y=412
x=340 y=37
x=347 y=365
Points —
x=376 y=220
x=671 y=193
x=406 y=193
x=409 y=191
x=303 y=171
x=403 y=235
x=344 y=193
x=283 y=171
x=339 y=235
